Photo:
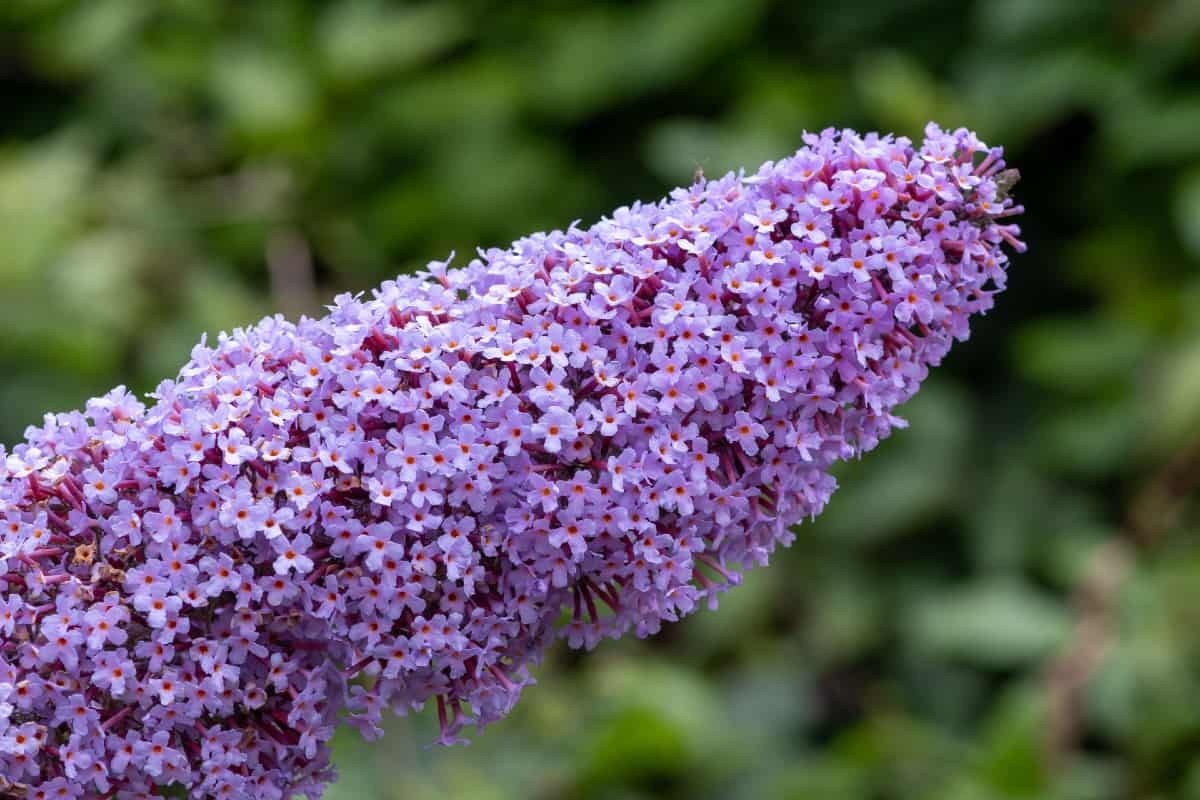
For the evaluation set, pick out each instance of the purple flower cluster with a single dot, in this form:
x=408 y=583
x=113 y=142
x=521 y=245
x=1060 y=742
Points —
x=404 y=502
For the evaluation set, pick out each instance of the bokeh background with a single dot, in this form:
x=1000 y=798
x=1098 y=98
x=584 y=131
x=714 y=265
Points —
x=1003 y=601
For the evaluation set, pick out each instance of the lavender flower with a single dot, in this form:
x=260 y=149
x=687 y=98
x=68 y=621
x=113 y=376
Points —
x=608 y=421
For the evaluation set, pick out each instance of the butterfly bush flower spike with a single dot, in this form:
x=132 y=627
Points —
x=397 y=504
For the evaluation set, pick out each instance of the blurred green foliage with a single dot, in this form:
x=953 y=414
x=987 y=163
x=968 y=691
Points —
x=174 y=167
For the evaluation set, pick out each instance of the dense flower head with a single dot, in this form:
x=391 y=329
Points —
x=406 y=501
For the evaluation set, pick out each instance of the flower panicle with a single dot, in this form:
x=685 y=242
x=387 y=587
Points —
x=605 y=423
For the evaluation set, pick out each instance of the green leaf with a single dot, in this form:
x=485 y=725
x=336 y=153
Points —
x=996 y=623
x=1187 y=211
x=264 y=92
x=1012 y=754
x=899 y=92
x=1073 y=354
x=362 y=41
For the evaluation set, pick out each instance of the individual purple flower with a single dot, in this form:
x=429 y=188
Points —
x=554 y=428
x=414 y=488
x=11 y=611
x=293 y=555
x=113 y=672
x=745 y=431
x=235 y=448
x=163 y=524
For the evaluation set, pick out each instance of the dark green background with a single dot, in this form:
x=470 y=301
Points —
x=174 y=167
